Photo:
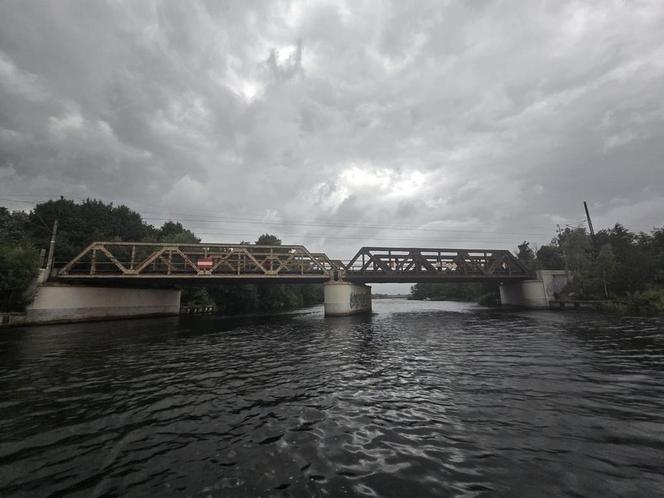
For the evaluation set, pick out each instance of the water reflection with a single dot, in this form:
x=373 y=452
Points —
x=418 y=399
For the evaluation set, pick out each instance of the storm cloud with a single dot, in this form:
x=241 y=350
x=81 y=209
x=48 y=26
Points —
x=336 y=125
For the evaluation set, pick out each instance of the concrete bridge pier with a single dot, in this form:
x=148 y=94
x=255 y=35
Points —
x=346 y=298
x=535 y=293
x=69 y=303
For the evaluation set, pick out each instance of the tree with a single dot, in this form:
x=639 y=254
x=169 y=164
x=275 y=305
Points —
x=550 y=257
x=526 y=255
x=81 y=224
x=633 y=268
x=12 y=225
x=605 y=265
x=18 y=270
x=576 y=248
x=268 y=240
x=176 y=233
x=654 y=246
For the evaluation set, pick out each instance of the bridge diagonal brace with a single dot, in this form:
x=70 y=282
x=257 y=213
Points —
x=224 y=261
x=186 y=259
x=379 y=262
x=65 y=270
x=113 y=259
x=421 y=261
x=305 y=252
x=284 y=264
x=251 y=257
x=150 y=259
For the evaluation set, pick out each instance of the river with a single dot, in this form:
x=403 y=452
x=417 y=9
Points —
x=419 y=399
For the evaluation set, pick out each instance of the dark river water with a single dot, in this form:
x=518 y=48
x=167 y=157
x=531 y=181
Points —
x=419 y=399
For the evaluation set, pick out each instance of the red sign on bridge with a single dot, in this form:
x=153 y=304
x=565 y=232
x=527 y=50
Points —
x=205 y=263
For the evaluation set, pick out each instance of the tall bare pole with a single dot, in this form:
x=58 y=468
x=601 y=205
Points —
x=590 y=223
x=51 y=249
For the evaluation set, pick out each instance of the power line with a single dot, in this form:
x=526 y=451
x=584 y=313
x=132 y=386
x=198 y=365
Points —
x=337 y=225
x=336 y=237
x=254 y=221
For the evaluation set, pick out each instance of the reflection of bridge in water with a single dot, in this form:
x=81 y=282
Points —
x=165 y=264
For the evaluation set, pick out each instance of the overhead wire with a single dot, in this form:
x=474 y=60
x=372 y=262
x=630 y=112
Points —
x=254 y=221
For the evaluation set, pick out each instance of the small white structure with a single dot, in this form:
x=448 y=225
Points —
x=69 y=303
x=346 y=298
x=535 y=294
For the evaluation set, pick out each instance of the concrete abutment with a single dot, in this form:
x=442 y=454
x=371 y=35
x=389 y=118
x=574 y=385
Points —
x=535 y=293
x=72 y=303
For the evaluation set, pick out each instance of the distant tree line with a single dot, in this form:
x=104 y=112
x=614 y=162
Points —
x=23 y=235
x=487 y=294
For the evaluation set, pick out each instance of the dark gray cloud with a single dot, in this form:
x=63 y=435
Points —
x=479 y=123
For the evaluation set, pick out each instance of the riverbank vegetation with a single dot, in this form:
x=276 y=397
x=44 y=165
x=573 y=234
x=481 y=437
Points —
x=618 y=266
x=23 y=235
x=623 y=269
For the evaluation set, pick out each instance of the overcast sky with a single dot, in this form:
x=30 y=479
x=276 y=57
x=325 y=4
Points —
x=477 y=123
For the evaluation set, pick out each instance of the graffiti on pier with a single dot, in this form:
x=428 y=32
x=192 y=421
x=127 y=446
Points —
x=360 y=300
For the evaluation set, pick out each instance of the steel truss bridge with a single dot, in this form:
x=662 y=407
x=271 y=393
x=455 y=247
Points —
x=165 y=264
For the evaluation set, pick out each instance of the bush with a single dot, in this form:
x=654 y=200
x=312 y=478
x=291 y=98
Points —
x=491 y=299
x=649 y=301
x=19 y=266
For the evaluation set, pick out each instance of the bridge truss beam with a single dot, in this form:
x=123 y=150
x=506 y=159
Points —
x=398 y=264
x=161 y=262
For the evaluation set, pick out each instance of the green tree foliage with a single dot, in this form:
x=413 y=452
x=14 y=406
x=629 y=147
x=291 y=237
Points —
x=469 y=292
x=526 y=255
x=18 y=269
x=631 y=266
x=576 y=246
x=12 y=226
x=654 y=248
x=550 y=257
x=80 y=224
x=268 y=240
x=176 y=233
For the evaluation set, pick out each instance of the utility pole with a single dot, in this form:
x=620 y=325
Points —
x=590 y=225
x=51 y=249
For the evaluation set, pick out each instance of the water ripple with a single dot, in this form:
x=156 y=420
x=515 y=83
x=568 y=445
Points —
x=420 y=399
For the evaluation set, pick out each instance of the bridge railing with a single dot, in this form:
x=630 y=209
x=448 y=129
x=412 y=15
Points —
x=437 y=263
x=135 y=259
